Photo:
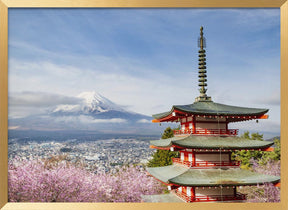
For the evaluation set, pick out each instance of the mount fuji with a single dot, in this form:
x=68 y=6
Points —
x=92 y=103
x=92 y=112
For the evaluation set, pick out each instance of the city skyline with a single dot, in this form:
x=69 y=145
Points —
x=145 y=60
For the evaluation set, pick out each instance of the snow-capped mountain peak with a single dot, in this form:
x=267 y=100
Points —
x=94 y=102
x=90 y=102
x=88 y=111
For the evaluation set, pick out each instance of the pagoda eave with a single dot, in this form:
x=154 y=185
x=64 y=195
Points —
x=211 y=143
x=211 y=109
x=229 y=118
x=222 y=148
x=171 y=116
x=181 y=176
x=178 y=148
x=160 y=148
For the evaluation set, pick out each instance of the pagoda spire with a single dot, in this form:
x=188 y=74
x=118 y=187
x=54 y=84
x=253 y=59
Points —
x=202 y=68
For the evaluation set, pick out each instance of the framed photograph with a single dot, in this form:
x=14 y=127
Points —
x=81 y=83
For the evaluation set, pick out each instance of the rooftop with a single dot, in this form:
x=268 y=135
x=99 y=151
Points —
x=179 y=175
x=214 y=109
x=212 y=142
x=162 y=198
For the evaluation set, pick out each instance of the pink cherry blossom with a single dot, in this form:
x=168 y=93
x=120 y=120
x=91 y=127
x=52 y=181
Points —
x=37 y=181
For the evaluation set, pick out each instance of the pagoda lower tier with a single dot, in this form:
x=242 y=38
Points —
x=196 y=185
x=205 y=171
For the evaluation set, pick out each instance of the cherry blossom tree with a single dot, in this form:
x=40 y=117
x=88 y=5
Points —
x=267 y=192
x=60 y=181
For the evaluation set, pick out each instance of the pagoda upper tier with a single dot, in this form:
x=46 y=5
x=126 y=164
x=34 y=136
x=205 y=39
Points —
x=209 y=109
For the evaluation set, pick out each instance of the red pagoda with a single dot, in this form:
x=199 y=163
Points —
x=204 y=171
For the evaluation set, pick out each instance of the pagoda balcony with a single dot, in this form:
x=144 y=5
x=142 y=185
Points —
x=208 y=198
x=204 y=131
x=205 y=163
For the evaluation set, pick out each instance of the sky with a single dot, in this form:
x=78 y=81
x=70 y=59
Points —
x=145 y=60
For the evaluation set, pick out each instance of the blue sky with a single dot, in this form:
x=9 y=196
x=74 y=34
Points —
x=146 y=60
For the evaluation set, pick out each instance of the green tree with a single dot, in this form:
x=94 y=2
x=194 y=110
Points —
x=276 y=155
x=163 y=157
x=256 y=136
x=262 y=156
x=273 y=155
x=168 y=133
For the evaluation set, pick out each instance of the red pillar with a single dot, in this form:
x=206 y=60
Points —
x=193 y=194
x=193 y=159
x=193 y=125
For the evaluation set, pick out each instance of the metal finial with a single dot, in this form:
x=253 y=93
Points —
x=201 y=39
x=202 y=68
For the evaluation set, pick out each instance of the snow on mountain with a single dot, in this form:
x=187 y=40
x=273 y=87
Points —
x=92 y=112
x=95 y=107
x=92 y=102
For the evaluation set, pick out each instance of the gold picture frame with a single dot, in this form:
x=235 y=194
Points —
x=4 y=7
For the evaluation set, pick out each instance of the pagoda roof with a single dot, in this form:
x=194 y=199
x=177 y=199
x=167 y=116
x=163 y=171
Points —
x=211 y=108
x=211 y=142
x=162 y=198
x=179 y=175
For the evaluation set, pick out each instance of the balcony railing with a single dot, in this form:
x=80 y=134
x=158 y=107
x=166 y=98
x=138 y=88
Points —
x=205 y=163
x=204 y=198
x=204 y=131
x=207 y=198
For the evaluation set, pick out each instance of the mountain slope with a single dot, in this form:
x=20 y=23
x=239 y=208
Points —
x=92 y=102
x=94 y=112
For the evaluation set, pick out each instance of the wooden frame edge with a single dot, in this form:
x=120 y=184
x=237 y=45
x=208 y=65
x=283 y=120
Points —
x=4 y=103
x=144 y=3
x=5 y=4
x=284 y=100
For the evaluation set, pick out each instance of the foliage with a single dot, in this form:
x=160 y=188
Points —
x=168 y=133
x=254 y=136
x=274 y=155
x=60 y=181
x=266 y=192
x=163 y=157
x=245 y=156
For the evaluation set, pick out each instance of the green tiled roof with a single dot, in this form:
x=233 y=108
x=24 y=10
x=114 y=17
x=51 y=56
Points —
x=212 y=142
x=209 y=177
x=165 y=142
x=211 y=108
x=162 y=198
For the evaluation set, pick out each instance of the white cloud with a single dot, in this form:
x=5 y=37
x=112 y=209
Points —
x=144 y=121
x=13 y=127
x=40 y=99
x=122 y=88
x=151 y=80
x=26 y=103
x=83 y=119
